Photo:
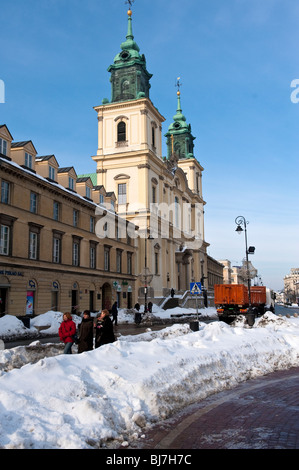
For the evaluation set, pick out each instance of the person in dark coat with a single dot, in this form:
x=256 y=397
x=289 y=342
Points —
x=150 y=307
x=104 y=330
x=85 y=333
x=172 y=293
x=114 y=312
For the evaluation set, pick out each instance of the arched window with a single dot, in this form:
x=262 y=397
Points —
x=121 y=132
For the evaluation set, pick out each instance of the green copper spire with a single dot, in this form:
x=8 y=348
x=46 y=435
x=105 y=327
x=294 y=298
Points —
x=129 y=77
x=179 y=136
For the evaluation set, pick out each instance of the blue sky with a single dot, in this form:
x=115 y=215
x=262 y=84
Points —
x=236 y=60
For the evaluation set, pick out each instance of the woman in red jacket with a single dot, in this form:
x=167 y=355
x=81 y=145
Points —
x=66 y=332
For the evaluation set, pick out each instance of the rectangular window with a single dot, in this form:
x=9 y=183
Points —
x=118 y=260
x=153 y=194
x=56 y=250
x=33 y=245
x=71 y=183
x=33 y=203
x=156 y=263
x=122 y=193
x=92 y=256
x=4 y=240
x=56 y=210
x=101 y=199
x=88 y=192
x=3 y=147
x=76 y=251
x=92 y=224
x=107 y=258
x=28 y=160
x=129 y=263
x=75 y=218
x=51 y=173
x=5 y=192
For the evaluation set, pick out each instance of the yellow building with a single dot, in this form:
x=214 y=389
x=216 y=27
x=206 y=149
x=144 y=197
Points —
x=50 y=254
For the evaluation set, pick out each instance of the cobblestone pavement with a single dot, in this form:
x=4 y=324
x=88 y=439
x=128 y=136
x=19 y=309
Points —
x=259 y=414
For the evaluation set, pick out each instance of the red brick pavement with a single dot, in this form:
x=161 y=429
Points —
x=259 y=414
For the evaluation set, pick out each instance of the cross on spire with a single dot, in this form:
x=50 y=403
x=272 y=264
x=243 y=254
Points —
x=178 y=84
x=130 y=2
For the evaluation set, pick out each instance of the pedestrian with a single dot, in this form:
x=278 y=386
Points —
x=66 y=332
x=150 y=307
x=172 y=293
x=114 y=312
x=85 y=333
x=137 y=306
x=104 y=329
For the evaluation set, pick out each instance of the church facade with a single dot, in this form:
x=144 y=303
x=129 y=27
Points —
x=161 y=195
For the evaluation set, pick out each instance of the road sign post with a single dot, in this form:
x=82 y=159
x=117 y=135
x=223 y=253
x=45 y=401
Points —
x=195 y=289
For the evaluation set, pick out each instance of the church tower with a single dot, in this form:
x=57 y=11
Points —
x=129 y=77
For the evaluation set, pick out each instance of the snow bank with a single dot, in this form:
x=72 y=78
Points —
x=119 y=390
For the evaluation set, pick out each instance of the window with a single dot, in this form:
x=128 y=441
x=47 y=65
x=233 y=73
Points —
x=92 y=224
x=101 y=199
x=5 y=192
x=33 y=245
x=28 y=160
x=153 y=137
x=75 y=218
x=129 y=263
x=88 y=192
x=122 y=193
x=76 y=251
x=156 y=263
x=3 y=147
x=4 y=239
x=51 y=173
x=56 y=210
x=118 y=260
x=121 y=132
x=71 y=183
x=107 y=258
x=92 y=255
x=153 y=194
x=57 y=243
x=33 y=203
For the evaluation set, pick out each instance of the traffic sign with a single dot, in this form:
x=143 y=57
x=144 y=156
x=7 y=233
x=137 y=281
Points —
x=195 y=288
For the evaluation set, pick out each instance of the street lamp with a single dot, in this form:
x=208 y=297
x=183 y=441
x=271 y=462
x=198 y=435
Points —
x=146 y=276
x=240 y=220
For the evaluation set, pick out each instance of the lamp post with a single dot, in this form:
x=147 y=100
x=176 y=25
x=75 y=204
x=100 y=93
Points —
x=240 y=220
x=147 y=276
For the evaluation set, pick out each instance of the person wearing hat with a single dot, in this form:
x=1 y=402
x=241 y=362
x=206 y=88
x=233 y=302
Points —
x=104 y=329
x=85 y=333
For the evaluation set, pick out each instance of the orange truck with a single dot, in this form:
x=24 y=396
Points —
x=232 y=300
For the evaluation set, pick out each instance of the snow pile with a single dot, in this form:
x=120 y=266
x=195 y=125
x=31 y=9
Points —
x=119 y=390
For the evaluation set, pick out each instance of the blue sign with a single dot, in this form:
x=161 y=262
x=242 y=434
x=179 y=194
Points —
x=195 y=288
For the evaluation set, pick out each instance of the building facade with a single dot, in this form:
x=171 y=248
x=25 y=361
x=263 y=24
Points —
x=161 y=195
x=291 y=286
x=52 y=256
